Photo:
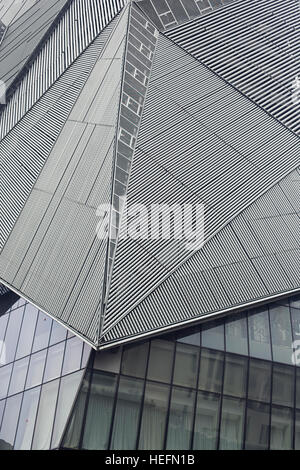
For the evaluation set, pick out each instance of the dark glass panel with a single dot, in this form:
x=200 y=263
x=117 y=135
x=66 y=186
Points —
x=180 y=419
x=99 y=413
x=232 y=424
x=259 y=335
x=67 y=393
x=259 y=387
x=211 y=371
x=235 y=377
x=207 y=421
x=281 y=334
x=154 y=416
x=281 y=428
x=186 y=365
x=127 y=414
x=258 y=425
x=71 y=439
x=237 y=334
x=283 y=385
x=212 y=335
x=108 y=361
x=297 y=431
x=160 y=361
x=135 y=360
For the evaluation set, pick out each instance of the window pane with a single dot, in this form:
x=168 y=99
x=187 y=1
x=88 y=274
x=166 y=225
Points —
x=154 y=416
x=135 y=360
x=186 y=365
x=259 y=387
x=127 y=414
x=67 y=393
x=99 y=414
x=180 y=419
x=72 y=359
x=36 y=369
x=27 y=331
x=18 y=378
x=235 y=375
x=232 y=423
x=281 y=334
x=160 y=361
x=283 y=385
x=257 y=431
x=74 y=428
x=190 y=339
x=42 y=333
x=27 y=419
x=211 y=371
x=281 y=428
x=297 y=431
x=12 y=334
x=108 y=360
x=44 y=422
x=212 y=335
x=298 y=388
x=207 y=421
x=54 y=362
x=10 y=421
x=259 y=335
x=236 y=331
x=58 y=333
x=5 y=373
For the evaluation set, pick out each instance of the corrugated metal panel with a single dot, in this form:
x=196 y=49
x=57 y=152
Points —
x=234 y=268
x=181 y=158
x=58 y=249
x=166 y=14
x=23 y=36
x=78 y=27
x=37 y=133
x=255 y=47
x=11 y=10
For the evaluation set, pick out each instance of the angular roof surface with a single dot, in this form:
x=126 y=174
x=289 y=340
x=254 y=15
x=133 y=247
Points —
x=154 y=102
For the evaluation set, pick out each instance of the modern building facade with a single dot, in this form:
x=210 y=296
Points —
x=117 y=329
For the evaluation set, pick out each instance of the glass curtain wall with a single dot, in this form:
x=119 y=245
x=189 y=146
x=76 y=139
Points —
x=230 y=384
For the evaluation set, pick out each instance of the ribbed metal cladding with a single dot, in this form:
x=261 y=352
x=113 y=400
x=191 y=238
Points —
x=166 y=14
x=11 y=10
x=229 y=271
x=22 y=37
x=255 y=47
x=56 y=245
x=77 y=28
x=25 y=149
x=193 y=147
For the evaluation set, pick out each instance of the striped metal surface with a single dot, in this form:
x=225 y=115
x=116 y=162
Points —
x=166 y=14
x=201 y=142
x=78 y=27
x=36 y=135
x=255 y=257
x=255 y=46
x=55 y=240
x=11 y=10
x=22 y=37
